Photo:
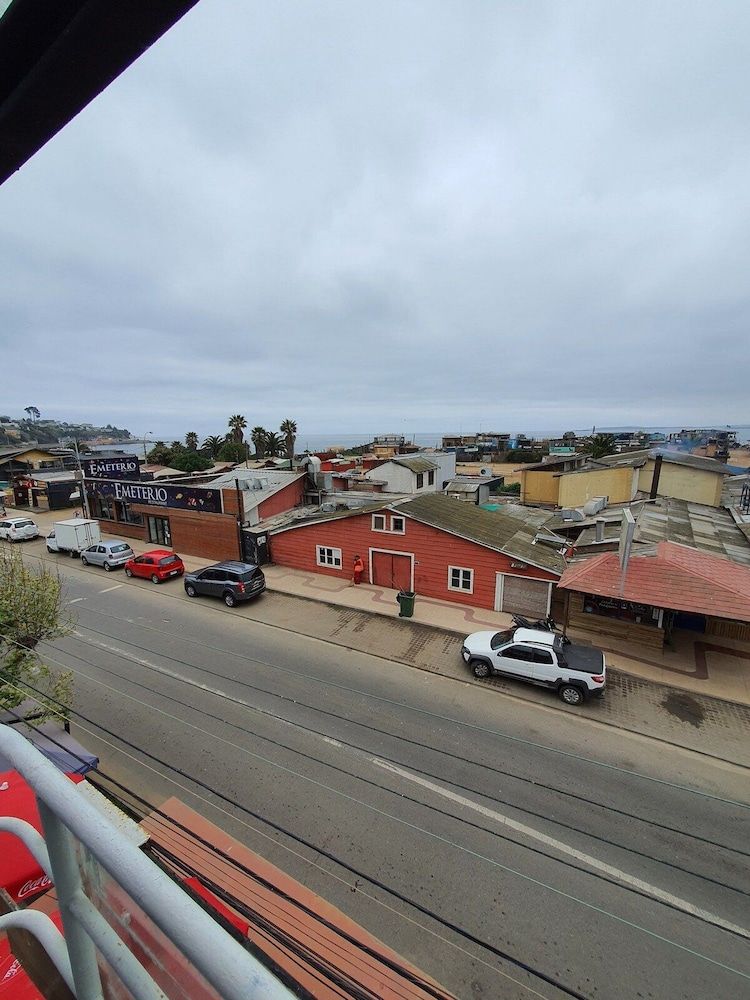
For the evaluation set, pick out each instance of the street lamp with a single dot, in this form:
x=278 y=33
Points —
x=145 y=435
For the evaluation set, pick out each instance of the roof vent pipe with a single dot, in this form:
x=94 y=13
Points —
x=655 y=478
x=600 y=529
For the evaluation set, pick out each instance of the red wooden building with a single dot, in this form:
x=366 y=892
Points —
x=435 y=546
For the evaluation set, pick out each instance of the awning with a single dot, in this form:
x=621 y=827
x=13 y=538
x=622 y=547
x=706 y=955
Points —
x=14 y=982
x=20 y=875
x=50 y=739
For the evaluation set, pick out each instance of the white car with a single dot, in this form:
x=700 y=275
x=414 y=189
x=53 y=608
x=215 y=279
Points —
x=538 y=657
x=15 y=529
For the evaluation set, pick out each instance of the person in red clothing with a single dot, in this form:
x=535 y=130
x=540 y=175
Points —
x=359 y=568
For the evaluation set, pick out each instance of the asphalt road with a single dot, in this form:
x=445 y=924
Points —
x=613 y=865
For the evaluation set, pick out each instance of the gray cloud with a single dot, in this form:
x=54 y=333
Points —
x=445 y=214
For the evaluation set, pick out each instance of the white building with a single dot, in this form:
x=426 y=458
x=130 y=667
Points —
x=418 y=473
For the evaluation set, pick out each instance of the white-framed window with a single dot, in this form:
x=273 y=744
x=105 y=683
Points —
x=461 y=579
x=420 y=480
x=326 y=556
x=431 y=477
x=398 y=524
x=379 y=522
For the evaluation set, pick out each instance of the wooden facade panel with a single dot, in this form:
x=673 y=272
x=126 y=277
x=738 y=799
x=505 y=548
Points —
x=288 y=498
x=728 y=629
x=600 y=626
x=433 y=550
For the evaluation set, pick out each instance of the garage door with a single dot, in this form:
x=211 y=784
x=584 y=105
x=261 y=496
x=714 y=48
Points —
x=522 y=596
x=391 y=570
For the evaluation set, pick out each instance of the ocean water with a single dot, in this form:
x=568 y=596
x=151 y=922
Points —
x=433 y=439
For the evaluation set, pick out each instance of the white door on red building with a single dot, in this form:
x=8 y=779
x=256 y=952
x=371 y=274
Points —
x=520 y=595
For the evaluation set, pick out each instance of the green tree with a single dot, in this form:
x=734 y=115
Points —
x=289 y=430
x=273 y=444
x=237 y=425
x=212 y=444
x=232 y=451
x=258 y=437
x=176 y=447
x=191 y=461
x=191 y=441
x=159 y=454
x=31 y=612
x=602 y=444
x=32 y=411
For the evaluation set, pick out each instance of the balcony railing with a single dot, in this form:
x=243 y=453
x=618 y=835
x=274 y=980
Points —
x=82 y=847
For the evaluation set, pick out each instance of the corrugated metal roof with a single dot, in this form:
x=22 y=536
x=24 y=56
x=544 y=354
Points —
x=511 y=530
x=416 y=464
x=708 y=529
x=638 y=458
x=464 y=485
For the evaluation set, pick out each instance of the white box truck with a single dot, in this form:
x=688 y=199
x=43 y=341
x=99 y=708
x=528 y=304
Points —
x=73 y=536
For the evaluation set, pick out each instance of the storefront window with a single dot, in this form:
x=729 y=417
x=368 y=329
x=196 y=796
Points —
x=158 y=530
x=627 y=611
x=125 y=514
x=101 y=507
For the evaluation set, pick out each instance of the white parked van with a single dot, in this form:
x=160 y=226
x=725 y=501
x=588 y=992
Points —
x=73 y=535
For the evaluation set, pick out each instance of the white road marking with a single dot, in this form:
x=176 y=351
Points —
x=116 y=587
x=558 y=845
x=76 y=600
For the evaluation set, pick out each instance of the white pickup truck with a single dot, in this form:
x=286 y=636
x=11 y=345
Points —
x=73 y=535
x=538 y=657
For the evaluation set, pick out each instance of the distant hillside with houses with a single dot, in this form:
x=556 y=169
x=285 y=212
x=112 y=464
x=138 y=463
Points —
x=34 y=428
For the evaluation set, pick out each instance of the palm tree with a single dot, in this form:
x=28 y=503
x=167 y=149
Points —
x=602 y=444
x=258 y=437
x=212 y=444
x=273 y=444
x=237 y=425
x=191 y=441
x=289 y=430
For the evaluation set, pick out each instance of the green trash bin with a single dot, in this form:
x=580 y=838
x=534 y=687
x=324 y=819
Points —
x=405 y=600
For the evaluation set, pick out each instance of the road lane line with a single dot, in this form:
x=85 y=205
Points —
x=558 y=845
x=76 y=600
x=116 y=587
x=397 y=819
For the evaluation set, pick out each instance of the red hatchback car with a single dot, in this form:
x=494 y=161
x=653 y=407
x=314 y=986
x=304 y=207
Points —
x=157 y=565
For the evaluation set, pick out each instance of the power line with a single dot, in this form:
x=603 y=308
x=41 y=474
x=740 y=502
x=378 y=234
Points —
x=403 y=822
x=404 y=739
x=467 y=935
x=397 y=704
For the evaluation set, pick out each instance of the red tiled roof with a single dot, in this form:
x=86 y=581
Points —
x=676 y=577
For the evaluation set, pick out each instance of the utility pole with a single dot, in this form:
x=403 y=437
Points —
x=81 y=483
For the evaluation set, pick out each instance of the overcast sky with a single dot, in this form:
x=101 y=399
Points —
x=395 y=216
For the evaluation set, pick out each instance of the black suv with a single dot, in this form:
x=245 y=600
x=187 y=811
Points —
x=231 y=581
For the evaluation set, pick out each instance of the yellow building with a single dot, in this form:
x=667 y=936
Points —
x=23 y=459
x=619 y=484
x=661 y=473
x=540 y=482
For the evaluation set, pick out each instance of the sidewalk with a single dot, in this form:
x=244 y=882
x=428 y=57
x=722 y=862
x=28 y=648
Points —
x=715 y=668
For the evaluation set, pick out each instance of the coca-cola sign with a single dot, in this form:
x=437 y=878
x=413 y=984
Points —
x=34 y=886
